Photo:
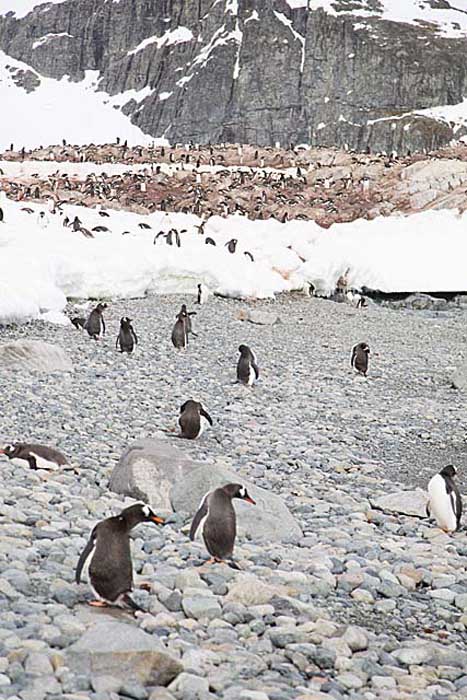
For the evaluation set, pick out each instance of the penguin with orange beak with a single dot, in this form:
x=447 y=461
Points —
x=218 y=522
x=108 y=548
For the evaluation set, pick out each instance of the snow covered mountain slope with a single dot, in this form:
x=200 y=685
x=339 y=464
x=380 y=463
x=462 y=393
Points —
x=378 y=74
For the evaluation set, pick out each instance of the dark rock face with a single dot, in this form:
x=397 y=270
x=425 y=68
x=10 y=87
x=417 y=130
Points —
x=252 y=71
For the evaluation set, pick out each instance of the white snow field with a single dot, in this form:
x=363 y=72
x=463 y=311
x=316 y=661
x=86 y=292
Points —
x=42 y=265
x=63 y=110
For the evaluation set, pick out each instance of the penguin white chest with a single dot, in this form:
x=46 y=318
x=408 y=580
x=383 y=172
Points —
x=251 y=376
x=441 y=504
x=203 y=424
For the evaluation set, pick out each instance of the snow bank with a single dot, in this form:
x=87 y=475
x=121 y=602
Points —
x=43 y=265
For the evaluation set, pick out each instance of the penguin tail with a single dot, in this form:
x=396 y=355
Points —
x=127 y=602
x=233 y=564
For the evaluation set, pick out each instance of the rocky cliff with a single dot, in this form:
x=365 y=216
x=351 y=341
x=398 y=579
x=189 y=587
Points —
x=257 y=71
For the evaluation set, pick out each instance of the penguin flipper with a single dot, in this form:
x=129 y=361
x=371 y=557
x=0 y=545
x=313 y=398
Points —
x=135 y=337
x=458 y=509
x=352 y=359
x=427 y=510
x=117 y=341
x=206 y=415
x=200 y=514
x=85 y=554
x=256 y=369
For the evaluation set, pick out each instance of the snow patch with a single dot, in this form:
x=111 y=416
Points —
x=47 y=37
x=62 y=110
x=287 y=22
x=164 y=96
x=176 y=36
x=21 y=8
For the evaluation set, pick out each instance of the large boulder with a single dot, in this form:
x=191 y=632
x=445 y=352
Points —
x=157 y=472
x=34 y=355
x=123 y=651
x=404 y=502
x=148 y=469
x=269 y=520
x=459 y=378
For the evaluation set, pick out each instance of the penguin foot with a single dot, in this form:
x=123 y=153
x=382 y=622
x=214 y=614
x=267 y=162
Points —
x=145 y=585
x=97 y=604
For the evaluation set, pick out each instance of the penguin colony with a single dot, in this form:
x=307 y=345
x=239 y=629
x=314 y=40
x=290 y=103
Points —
x=108 y=549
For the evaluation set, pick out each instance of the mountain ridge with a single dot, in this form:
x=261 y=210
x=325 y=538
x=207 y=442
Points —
x=258 y=71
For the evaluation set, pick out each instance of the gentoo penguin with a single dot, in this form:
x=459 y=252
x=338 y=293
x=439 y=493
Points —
x=179 y=332
x=203 y=293
x=210 y=241
x=110 y=568
x=37 y=456
x=359 y=359
x=247 y=369
x=231 y=245
x=218 y=521
x=193 y=420
x=95 y=324
x=76 y=224
x=65 y=221
x=444 y=500
x=127 y=338
x=188 y=314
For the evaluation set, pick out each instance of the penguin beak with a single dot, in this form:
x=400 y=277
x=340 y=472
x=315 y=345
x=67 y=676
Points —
x=157 y=519
x=249 y=499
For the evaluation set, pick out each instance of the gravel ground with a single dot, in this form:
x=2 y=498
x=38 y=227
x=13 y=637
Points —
x=312 y=431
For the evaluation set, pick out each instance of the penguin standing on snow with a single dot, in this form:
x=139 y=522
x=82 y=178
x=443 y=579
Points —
x=359 y=359
x=247 y=369
x=179 y=332
x=110 y=568
x=36 y=456
x=231 y=245
x=95 y=324
x=217 y=519
x=127 y=338
x=193 y=420
x=444 y=500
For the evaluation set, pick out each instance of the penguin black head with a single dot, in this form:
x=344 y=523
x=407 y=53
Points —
x=125 y=322
x=9 y=451
x=190 y=404
x=449 y=471
x=242 y=349
x=238 y=491
x=364 y=347
x=139 y=513
x=101 y=307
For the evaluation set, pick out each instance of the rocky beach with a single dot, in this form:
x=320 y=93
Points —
x=353 y=600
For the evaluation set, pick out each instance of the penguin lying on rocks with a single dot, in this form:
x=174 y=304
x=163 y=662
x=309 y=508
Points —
x=247 y=369
x=359 y=359
x=193 y=420
x=110 y=568
x=36 y=456
x=127 y=338
x=444 y=500
x=218 y=521
x=95 y=324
